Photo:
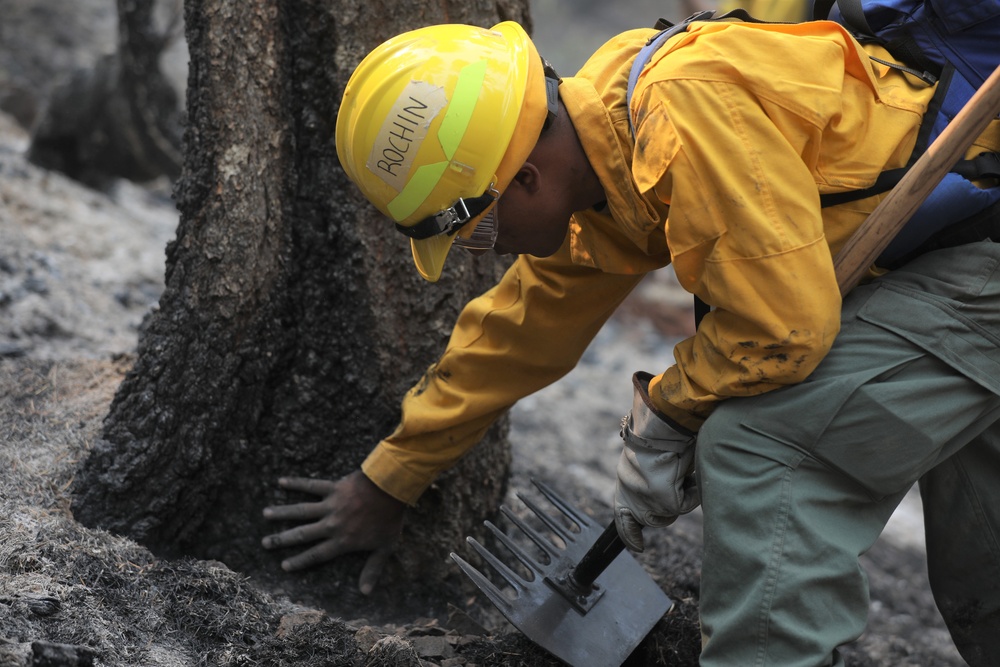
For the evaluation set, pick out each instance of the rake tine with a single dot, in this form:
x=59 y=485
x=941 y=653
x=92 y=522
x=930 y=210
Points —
x=495 y=595
x=522 y=555
x=544 y=543
x=561 y=531
x=512 y=578
x=516 y=549
x=564 y=507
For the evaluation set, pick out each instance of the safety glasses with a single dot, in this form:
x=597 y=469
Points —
x=484 y=234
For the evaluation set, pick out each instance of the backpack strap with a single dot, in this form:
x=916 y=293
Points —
x=905 y=49
x=666 y=31
x=984 y=165
x=851 y=10
x=888 y=179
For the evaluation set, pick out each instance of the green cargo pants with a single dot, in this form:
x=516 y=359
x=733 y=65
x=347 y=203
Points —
x=799 y=482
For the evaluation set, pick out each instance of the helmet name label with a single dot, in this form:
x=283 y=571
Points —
x=403 y=132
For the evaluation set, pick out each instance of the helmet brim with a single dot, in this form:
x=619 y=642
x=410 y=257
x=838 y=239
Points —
x=429 y=255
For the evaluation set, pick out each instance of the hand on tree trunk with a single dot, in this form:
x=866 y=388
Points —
x=354 y=515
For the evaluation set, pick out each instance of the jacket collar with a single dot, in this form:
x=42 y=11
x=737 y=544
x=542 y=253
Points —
x=627 y=235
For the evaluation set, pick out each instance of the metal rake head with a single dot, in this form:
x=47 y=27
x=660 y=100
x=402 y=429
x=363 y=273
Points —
x=596 y=621
x=555 y=557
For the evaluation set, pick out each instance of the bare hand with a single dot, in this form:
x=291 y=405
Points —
x=354 y=515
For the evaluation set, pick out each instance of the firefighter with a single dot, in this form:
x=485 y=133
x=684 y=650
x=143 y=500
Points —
x=797 y=419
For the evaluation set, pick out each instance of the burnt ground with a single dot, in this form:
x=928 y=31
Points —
x=74 y=596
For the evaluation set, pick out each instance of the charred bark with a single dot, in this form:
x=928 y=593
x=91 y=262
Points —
x=292 y=320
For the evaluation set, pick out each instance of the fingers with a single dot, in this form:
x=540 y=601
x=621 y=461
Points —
x=660 y=520
x=297 y=512
x=320 y=553
x=629 y=529
x=373 y=569
x=294 y=536
x=317 y=487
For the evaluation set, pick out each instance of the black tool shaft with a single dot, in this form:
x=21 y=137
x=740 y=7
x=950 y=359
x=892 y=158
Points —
x=606 y=548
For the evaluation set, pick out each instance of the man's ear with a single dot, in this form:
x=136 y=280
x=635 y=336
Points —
x=529 y=178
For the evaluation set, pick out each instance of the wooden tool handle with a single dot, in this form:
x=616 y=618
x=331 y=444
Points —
x=872 y=237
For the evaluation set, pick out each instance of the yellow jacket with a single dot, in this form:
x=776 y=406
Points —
x=739 y=128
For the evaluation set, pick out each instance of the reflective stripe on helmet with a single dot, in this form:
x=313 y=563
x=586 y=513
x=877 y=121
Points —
x=450 y=133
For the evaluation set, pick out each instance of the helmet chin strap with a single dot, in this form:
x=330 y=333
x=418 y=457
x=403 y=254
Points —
x=451 y=219
x=552 y=82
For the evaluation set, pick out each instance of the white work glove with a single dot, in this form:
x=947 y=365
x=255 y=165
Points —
x=655 y=472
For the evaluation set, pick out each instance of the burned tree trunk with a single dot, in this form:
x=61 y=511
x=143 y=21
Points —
x=292 y=320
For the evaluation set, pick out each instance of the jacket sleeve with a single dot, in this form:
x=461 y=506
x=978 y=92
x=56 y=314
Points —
x=746 y=234
x=525 y=333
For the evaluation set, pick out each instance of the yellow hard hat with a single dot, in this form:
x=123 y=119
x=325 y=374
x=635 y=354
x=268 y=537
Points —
x=435 y=123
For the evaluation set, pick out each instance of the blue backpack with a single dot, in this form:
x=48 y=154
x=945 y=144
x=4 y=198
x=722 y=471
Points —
x=952 y=43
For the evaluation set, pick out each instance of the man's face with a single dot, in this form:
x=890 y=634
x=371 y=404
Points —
x=538 y=230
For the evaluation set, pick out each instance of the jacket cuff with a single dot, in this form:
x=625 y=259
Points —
x=686 y=419
x=382 y=468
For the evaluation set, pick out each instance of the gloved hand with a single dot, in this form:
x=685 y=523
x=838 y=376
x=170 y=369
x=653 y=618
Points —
x=655 y=472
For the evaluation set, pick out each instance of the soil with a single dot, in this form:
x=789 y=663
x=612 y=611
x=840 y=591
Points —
x=79 y=272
